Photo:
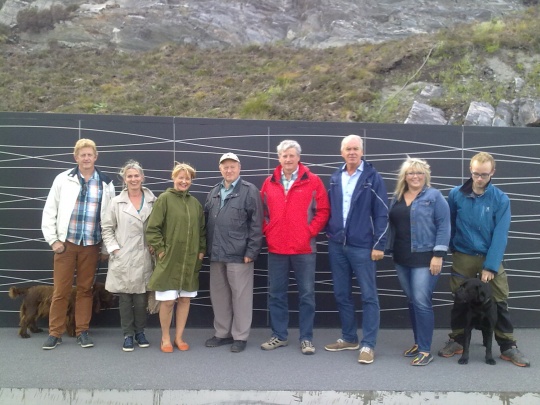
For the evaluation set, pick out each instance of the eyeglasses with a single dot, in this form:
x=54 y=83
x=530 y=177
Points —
x=484 y=176
x=412 y=174
x=84 y=189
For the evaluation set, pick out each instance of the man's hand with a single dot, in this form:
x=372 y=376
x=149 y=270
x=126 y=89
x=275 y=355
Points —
x=377 y=255
x=487 y=276
x=58 y=247
x=247 y=259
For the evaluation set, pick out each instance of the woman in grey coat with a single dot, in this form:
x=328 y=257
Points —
x=130 y=263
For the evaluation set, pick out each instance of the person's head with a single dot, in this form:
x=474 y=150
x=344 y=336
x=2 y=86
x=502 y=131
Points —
x=229 y=166
x=413 y=174
x=132 y=175
x=482 y=168
x=85 y=153
x=289 y=155
x=182 y=176
x=352 y=150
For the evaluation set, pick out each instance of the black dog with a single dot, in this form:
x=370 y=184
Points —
x=481 y=314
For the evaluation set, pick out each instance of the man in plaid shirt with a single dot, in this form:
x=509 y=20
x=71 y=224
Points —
x=71 y=225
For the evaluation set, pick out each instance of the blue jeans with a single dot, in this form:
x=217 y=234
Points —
x=278 y=304
x=418 y=284
x=346 y=261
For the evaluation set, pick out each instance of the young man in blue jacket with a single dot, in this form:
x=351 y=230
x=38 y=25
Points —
x=480 y=217
x=357 y=235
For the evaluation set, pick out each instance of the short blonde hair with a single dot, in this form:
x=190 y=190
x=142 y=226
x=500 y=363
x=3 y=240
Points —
x=84 y=143
x=483 y=157
x=183 y=167
x=415 y=164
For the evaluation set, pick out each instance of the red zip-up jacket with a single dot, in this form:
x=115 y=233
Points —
x=293 y=221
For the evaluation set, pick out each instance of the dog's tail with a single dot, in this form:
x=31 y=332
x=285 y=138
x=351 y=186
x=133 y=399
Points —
x=15 y=292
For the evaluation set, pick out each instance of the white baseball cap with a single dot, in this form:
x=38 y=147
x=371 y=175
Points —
x=230 y=156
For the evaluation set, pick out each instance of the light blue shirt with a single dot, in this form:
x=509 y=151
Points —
x=348 y=184
x=224 y=192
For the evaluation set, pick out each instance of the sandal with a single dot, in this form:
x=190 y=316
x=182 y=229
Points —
x=422 y=359
x=412 y=352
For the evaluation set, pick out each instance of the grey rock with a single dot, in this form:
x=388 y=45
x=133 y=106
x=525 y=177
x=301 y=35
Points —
x=480 y=113
x=421 y=113
x=144 y=24
x=432 y=91
x=504 y=114
x=518 y=84
x=528 y=112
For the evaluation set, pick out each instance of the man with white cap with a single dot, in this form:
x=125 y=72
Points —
x=233 y=211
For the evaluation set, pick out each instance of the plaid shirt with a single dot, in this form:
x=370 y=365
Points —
x=85 y=219
x=287 y=184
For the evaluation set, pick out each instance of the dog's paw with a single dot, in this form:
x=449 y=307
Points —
x=463 y=361
x=491 y=362
x=24 y=335
x=36 y=330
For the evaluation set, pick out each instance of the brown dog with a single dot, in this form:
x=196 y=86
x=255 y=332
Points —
x=37 y=301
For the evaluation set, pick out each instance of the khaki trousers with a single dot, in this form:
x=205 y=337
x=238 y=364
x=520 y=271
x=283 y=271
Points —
x=82 y=260
x=231 y=293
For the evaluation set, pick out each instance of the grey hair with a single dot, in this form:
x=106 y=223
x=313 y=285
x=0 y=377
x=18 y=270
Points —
x=131 y=164
x=351 y=137
x=288 y=144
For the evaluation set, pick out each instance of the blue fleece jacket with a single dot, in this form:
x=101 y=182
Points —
x=480 y=224
x=367 y=221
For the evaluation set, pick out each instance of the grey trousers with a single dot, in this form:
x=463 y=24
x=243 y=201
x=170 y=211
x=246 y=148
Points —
x=132 y=308
x=231 y=293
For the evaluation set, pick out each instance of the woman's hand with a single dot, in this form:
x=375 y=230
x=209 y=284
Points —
x=436 y=265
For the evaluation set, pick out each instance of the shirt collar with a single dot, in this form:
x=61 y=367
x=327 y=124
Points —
x=294 y=175
x=233 y=184
x=359 y=169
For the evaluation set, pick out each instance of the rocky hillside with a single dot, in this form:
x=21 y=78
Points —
x=427 y=62
x=145 y=24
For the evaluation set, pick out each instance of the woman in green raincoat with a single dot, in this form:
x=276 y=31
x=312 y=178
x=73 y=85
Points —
x=177 y=234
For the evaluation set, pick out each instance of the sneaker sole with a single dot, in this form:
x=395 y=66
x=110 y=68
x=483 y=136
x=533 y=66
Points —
x=447 y=355
x=86 y=345
x=365 y=361
x=421 y=364
x=342 y=348
x=514 y=362
x=274 y=347
x=52 y=347
x=127 y=350
x=143 y=345
x=308 y=352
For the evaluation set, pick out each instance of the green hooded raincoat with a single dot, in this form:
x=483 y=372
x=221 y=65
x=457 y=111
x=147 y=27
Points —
x=176 y=227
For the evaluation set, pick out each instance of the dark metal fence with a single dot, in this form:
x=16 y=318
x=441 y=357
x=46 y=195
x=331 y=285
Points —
x=34 y=148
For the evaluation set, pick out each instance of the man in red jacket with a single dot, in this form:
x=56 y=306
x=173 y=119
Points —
x=296 y=208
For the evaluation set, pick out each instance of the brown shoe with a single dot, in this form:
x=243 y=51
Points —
x=341 y=345
x=366 y=355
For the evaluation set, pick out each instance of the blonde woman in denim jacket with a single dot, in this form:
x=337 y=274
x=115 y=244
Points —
x=418 y=239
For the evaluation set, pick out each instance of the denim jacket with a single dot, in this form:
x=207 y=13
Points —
x=430 y=223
